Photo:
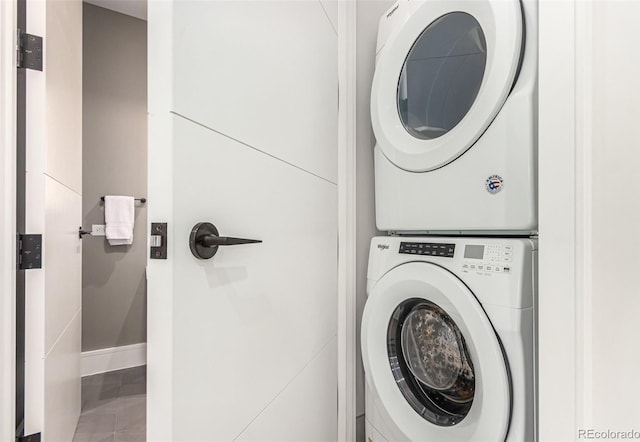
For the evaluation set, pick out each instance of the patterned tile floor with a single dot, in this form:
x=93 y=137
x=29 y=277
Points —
x=114 y=407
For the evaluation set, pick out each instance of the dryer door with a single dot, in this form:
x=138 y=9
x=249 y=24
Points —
x=433 y=359
x=442 y=77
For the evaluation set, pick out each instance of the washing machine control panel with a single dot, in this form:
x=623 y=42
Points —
x=487 y=259
x=430 y=249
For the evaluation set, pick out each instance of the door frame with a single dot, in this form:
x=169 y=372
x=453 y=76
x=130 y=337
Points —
x=159 y=138
x=565 y=184
x=347 y=235
x=8 y=85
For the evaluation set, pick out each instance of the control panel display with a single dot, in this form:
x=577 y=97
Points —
x=429 y=249
x=473 y=252
x=487 y=259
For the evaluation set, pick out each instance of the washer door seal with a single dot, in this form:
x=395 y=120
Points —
x=431 y=365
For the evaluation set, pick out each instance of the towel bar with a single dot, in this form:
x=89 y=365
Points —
x=142 y=200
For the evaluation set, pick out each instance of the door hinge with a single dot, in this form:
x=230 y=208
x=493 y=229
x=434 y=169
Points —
x=30 y=438
x=29 y=51
x=29 y=253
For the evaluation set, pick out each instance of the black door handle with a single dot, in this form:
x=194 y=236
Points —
x=213 y=240
x=205 y=240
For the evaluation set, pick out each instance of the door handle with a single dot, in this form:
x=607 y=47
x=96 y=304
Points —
x=204 y=240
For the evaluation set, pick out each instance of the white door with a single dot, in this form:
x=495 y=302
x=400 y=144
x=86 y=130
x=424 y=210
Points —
x=243 y=135
x=53 y=202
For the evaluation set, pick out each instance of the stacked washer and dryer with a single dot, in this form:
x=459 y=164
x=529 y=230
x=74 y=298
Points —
x=448 y=331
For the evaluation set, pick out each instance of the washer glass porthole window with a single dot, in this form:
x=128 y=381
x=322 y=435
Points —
x=442 y=75
x=430 y=362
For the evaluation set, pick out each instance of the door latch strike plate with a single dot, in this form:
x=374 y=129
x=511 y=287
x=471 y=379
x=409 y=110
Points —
x=158 y=241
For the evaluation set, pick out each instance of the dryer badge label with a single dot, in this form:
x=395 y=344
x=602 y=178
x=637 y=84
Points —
x=494 y=184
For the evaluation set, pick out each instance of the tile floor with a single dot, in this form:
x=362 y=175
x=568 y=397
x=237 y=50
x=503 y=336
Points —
x=114 y=407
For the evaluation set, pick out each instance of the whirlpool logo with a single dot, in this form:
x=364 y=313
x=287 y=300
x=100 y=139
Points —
x=393 y=10
x=383 y=246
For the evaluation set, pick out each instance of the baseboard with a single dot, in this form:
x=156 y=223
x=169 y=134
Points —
x=115 y=358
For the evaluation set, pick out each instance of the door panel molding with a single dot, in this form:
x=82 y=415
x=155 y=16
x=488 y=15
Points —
x=264 y=309
x=265 y=90
x=296 y=395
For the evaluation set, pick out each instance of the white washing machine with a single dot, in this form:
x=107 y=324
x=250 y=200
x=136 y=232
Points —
x=448 y=339
x=454 y=112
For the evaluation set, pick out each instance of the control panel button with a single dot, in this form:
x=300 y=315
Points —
x=429 y=249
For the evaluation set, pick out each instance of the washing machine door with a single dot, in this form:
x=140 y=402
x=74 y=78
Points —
x=433 y=359
x=442 y=77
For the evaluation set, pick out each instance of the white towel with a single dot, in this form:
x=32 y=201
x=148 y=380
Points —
x=119 y=218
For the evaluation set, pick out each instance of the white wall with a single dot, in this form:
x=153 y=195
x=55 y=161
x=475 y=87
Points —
x=589 y=209
x=368 y=14
x=615 y=216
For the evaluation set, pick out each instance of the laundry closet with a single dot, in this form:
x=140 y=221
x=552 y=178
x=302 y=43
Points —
x=247 y=334
x=449 y=326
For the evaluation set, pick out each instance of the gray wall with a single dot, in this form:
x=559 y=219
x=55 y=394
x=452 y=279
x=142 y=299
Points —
x=114 y=163
x=368 y=14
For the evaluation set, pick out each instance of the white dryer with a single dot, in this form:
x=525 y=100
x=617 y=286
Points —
x=448 y=339
x=454 y=112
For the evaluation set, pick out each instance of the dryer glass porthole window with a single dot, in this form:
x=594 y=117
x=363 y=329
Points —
x=442 y=75
x=430 y=362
